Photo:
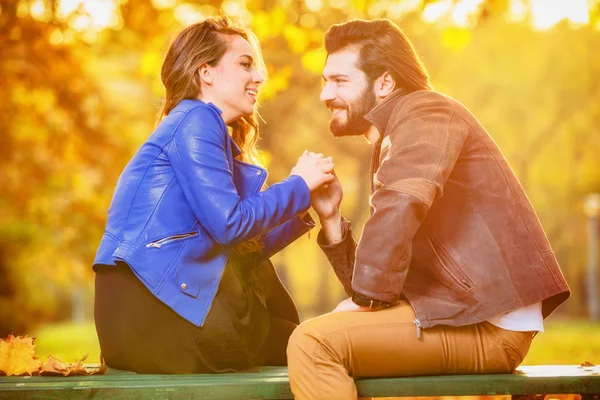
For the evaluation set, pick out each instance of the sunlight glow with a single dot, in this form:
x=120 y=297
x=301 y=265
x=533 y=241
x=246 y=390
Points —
x=237 y=9
x=463 y=10
x=96 y=15
x=314 y=5
x=457 y=13
x=93 y=15
x=435 y=11
x=308 y=21
x=56 y=37
x=160 y=4
x=66 y=7
x=546 y=13
x=516 y=11
x=39 y=11
x=187 y=14
x=233 y=8
x=338 y=3
x=396 y=10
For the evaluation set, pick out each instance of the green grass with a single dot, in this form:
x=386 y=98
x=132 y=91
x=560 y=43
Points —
x=564 y=342
x=68 y=342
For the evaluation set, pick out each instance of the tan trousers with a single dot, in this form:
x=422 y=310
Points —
x=324 y=353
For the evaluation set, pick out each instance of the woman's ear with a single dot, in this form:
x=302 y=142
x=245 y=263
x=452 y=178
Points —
x=206 y=74
x=384 y=85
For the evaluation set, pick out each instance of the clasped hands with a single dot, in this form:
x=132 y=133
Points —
x=326 y=198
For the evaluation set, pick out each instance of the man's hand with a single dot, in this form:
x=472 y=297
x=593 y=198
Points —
x=349 y=305
x=326 y=199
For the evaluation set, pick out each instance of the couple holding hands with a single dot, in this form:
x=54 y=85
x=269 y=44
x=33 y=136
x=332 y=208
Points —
x=453 y=273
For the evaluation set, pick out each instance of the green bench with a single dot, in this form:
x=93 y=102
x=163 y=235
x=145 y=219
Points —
x=272 y=383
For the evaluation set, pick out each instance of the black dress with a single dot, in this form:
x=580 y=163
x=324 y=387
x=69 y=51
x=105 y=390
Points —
x=249 y=323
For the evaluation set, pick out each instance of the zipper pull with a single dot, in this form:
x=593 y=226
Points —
x=153 y=244
x=418 y=325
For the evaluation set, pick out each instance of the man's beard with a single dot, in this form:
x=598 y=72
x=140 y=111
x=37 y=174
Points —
x=355 y=124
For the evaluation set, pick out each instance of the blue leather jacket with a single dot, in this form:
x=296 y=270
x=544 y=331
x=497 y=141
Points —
x=183 y=202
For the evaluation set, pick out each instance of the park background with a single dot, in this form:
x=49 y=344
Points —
x=80 y=91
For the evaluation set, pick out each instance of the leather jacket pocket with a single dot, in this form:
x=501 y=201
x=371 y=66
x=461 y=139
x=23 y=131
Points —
x=449 y=267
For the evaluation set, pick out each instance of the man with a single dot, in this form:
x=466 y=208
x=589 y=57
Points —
x=453 y=273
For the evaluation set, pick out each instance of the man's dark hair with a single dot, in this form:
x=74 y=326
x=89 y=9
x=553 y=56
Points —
x=382 y=47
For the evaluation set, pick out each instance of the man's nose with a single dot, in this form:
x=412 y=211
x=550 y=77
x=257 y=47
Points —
x=327 y=93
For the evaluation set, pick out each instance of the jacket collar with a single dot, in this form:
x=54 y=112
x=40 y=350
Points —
x=235 y=149
x=380 y=114
x=187 y=104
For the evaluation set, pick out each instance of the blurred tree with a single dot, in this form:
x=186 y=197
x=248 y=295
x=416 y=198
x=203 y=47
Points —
x=80 y=92
x=50 y=114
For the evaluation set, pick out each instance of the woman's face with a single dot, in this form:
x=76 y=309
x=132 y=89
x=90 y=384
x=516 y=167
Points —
x=235 y=82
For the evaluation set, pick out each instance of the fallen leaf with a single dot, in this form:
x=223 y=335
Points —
x=17 y=356
x=56 y=367
x=100 y=370
x=587 y=364
x=77 y=368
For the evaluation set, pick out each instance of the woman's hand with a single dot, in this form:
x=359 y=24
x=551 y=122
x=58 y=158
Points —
x=315 y=169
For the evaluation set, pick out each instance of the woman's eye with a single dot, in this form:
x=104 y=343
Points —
x=246 y=65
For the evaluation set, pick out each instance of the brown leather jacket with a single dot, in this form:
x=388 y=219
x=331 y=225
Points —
x=451 y=229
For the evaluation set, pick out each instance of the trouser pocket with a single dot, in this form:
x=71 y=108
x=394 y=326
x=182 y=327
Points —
x=515 y=346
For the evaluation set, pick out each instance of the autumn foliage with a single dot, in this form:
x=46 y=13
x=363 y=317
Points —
x=17 y=357
x=80 y=89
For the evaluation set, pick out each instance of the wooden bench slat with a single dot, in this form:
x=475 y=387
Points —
x=272 y=383
x=476 y=385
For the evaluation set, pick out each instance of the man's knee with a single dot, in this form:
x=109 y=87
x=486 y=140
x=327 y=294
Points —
x=319 y=339
x=303 y=341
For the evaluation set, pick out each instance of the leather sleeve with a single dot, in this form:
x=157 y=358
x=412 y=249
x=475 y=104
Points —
x=341 y=254
x=425 y=141
x=199 y=159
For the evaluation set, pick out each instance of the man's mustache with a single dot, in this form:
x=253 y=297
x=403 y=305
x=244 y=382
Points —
x=336 y=104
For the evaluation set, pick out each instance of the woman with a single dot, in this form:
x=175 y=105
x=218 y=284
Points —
x=183 y=281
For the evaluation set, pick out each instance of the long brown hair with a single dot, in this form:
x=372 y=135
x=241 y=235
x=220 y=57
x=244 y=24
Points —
x=200 y=43
x=382 y=47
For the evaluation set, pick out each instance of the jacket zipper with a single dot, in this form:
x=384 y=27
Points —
x=158 y=243
x=416 y=321
x=419 y=327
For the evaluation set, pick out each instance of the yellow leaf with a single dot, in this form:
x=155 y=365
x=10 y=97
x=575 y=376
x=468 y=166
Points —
x=296 y=38
x=17 y=356
x=314 y=60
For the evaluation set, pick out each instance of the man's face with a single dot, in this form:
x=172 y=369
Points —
x=347 y=93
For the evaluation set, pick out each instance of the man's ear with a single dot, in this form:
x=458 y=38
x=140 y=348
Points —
x=206 y=74
x=384 y=85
